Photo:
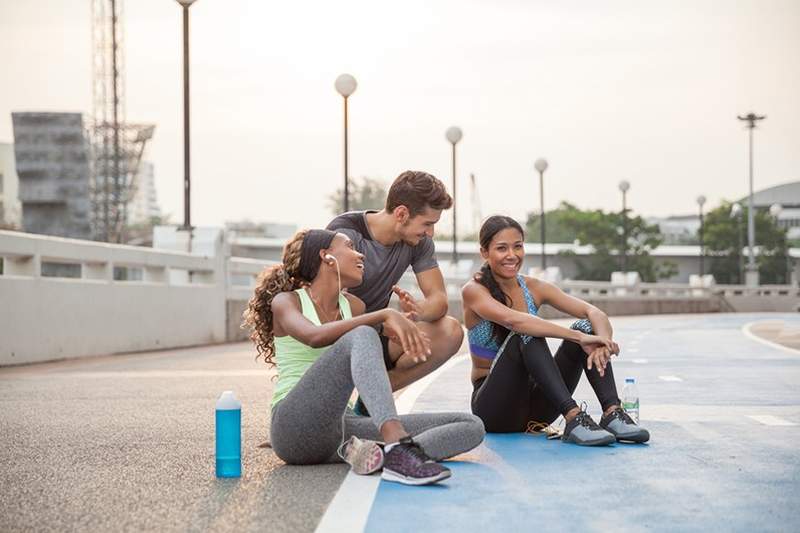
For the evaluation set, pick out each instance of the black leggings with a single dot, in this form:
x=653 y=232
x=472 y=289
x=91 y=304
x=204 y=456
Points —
x=526 y=383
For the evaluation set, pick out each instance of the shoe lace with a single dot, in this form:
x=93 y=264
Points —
x=585 y=420
x=416 y=451
x=620 y=413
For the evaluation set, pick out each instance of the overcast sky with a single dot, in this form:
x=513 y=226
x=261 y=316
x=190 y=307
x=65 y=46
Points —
x=643 y=91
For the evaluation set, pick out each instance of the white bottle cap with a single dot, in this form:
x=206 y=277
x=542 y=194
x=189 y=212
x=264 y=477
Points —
x=227 y=401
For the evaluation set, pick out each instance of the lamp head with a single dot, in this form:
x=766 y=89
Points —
x=540 y=165
x=624 y=185
x=453 y=134
x=345 y=85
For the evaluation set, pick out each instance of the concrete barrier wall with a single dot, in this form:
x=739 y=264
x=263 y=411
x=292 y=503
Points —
x=126 y=299
x=176 y=299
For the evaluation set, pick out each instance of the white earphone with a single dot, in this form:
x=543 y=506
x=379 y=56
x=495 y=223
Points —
x=329 y=257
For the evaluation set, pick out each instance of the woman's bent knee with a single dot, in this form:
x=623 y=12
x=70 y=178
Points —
x=363 y=334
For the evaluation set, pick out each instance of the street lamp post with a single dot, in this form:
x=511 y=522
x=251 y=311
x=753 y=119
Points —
x=752 y=269
x=624 y=185
x=346 y=85
x=541 y=165
x=187 y=181
x=453 y=135
x=700 y=201
x=736 y=213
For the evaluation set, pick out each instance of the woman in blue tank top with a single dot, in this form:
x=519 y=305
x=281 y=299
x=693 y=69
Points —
x=515 y=377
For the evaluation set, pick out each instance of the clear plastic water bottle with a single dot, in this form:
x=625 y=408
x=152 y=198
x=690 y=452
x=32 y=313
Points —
x=229 y=435
x=630 y=399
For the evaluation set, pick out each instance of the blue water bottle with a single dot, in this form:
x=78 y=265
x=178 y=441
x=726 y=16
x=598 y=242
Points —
x=229 y=435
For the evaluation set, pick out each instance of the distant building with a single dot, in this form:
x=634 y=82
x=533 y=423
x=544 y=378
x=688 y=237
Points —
x=677 y=229
x=144 y=205
x=682 y=229
x=787 y=195
x=247 y=228
x=52 y=163
x=10 y=210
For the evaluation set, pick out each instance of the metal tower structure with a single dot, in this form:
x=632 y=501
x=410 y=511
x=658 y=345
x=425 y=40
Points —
x=116 y=145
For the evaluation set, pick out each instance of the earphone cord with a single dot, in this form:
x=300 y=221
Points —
x=339 y=277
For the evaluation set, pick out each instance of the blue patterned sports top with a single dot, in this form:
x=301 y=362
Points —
x=481 y=342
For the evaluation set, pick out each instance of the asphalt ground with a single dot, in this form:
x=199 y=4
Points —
x=126 y=443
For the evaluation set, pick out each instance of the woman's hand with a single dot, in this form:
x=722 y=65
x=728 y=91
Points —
x=590 y=343
x=599 y=351
x=405 y=332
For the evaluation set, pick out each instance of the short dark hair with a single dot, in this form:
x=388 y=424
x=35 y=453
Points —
x=416 y=190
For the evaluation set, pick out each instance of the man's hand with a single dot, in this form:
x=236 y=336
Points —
x=408 y=304
x=403 y=331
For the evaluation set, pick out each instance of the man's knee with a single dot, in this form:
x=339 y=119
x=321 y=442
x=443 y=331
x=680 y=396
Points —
x=450 y=335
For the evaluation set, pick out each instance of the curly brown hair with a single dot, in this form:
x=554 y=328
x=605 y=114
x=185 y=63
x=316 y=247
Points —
x=274 y=280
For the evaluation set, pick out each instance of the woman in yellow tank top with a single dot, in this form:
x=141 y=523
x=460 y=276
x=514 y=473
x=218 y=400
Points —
x=324 y=347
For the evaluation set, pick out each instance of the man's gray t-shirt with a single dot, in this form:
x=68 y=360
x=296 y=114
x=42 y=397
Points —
x=383 y=265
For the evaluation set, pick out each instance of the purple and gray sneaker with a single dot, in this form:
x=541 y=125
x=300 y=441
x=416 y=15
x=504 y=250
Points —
x=407 y=463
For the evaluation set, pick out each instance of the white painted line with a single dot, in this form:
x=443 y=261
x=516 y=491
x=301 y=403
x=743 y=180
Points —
x=409 y=397
x=746 y=329
x=770 y=420
x=639 y=361
x=669 y=378
x=350 y=507
x=632 y=350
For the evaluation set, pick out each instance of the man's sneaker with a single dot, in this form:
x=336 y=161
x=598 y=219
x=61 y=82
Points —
x=584 y=431
x=363 y=456
x=622 y=426
x=407 y=463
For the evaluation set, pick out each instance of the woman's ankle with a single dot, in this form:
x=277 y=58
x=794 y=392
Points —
x=392 y=431
x=571 y=414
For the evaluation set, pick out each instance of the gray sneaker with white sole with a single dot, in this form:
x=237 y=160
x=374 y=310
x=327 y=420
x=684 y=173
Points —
x=584 y=431
x=622 y=426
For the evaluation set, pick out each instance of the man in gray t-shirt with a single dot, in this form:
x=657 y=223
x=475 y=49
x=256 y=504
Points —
x=399 y=236
x=383 y=265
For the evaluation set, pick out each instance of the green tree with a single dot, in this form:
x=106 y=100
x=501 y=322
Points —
x=555 y=228
x=364 y=193
x=722 y=235
x=599 y=229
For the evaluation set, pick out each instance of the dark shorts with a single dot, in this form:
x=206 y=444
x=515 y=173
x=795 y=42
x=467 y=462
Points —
x=386 y=359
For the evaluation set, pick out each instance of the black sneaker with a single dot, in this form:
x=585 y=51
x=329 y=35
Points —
x=622 y=426
x=407 y=463
x=584 y=431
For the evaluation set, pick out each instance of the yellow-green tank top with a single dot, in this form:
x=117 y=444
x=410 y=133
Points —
x=293 y=357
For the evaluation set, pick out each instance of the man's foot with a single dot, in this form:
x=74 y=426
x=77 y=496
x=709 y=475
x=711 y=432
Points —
x=622 y=426
x=363 y=456
x=407 y=463
x=584 y=431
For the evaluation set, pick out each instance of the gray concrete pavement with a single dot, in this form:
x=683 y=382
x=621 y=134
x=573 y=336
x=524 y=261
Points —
x=126 y=443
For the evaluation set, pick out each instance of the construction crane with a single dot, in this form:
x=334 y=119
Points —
x=477 y=217
x=116 y=145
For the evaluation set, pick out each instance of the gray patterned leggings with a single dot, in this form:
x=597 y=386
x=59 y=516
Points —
x=309 y=424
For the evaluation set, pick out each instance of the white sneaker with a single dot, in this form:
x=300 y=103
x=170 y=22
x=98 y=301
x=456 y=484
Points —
x=364 y=456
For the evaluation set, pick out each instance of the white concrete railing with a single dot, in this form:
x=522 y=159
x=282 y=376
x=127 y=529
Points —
x=63 y=298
